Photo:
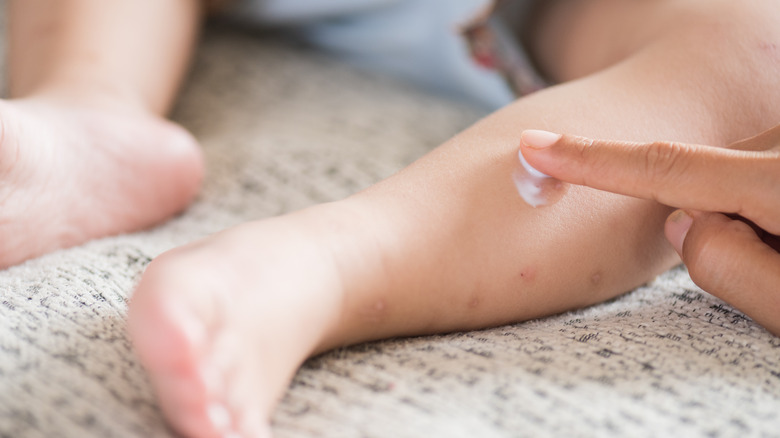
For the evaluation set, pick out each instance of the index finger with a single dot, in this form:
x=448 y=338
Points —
x=681 y=175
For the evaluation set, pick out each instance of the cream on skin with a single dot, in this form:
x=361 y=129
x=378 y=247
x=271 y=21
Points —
x=536 y=188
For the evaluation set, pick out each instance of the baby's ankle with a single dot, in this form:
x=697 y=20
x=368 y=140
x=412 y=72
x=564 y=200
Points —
x=355 y=239
x=85 y=93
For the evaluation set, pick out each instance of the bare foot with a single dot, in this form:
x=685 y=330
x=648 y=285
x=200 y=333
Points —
x=71 y=173
x=223 y=324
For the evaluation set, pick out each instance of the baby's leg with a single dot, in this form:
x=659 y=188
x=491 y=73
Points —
x=85 y=152
x=447 y=244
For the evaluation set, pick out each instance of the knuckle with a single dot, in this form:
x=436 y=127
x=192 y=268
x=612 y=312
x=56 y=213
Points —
x=661 y=159
x=709 y=256
x=588 y=159
x=704 y=268
x=761 y=199
x=663 y=163
x=584 y=146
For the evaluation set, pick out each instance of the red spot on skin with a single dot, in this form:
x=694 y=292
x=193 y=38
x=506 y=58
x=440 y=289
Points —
x=528 y=274
x=595 y=279
x=474 y=302
x=770 y=49
x=375 y=311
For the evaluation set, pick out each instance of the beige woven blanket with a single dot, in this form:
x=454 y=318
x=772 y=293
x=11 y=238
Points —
x=663 y=360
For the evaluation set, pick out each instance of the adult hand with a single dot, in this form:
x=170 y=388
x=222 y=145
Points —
x=726 y=231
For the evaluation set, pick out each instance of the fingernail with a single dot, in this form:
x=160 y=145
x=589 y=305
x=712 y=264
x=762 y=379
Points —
x=677 y=226
x=536 y=139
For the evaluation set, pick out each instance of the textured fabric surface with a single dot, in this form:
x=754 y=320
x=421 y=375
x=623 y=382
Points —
x=283 y=128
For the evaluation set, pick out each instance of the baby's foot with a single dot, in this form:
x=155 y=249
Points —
x=223 y=324
x=70 y=173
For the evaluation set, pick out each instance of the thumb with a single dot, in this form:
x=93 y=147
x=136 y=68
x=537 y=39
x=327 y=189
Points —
x=726 y=258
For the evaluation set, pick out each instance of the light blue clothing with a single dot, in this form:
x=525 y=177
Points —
x=418 y=40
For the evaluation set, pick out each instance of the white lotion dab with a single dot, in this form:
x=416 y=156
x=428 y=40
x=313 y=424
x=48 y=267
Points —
x=536 y=188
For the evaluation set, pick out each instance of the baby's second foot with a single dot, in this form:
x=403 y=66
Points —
x=222 y=325
x=72 y=173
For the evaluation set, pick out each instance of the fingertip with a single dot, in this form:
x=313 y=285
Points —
x=676 y=229
x=535 y=173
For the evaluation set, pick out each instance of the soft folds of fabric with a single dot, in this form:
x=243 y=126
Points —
x=416 y=40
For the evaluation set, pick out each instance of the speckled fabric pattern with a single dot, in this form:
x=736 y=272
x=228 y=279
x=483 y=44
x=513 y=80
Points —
x=284 y=127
